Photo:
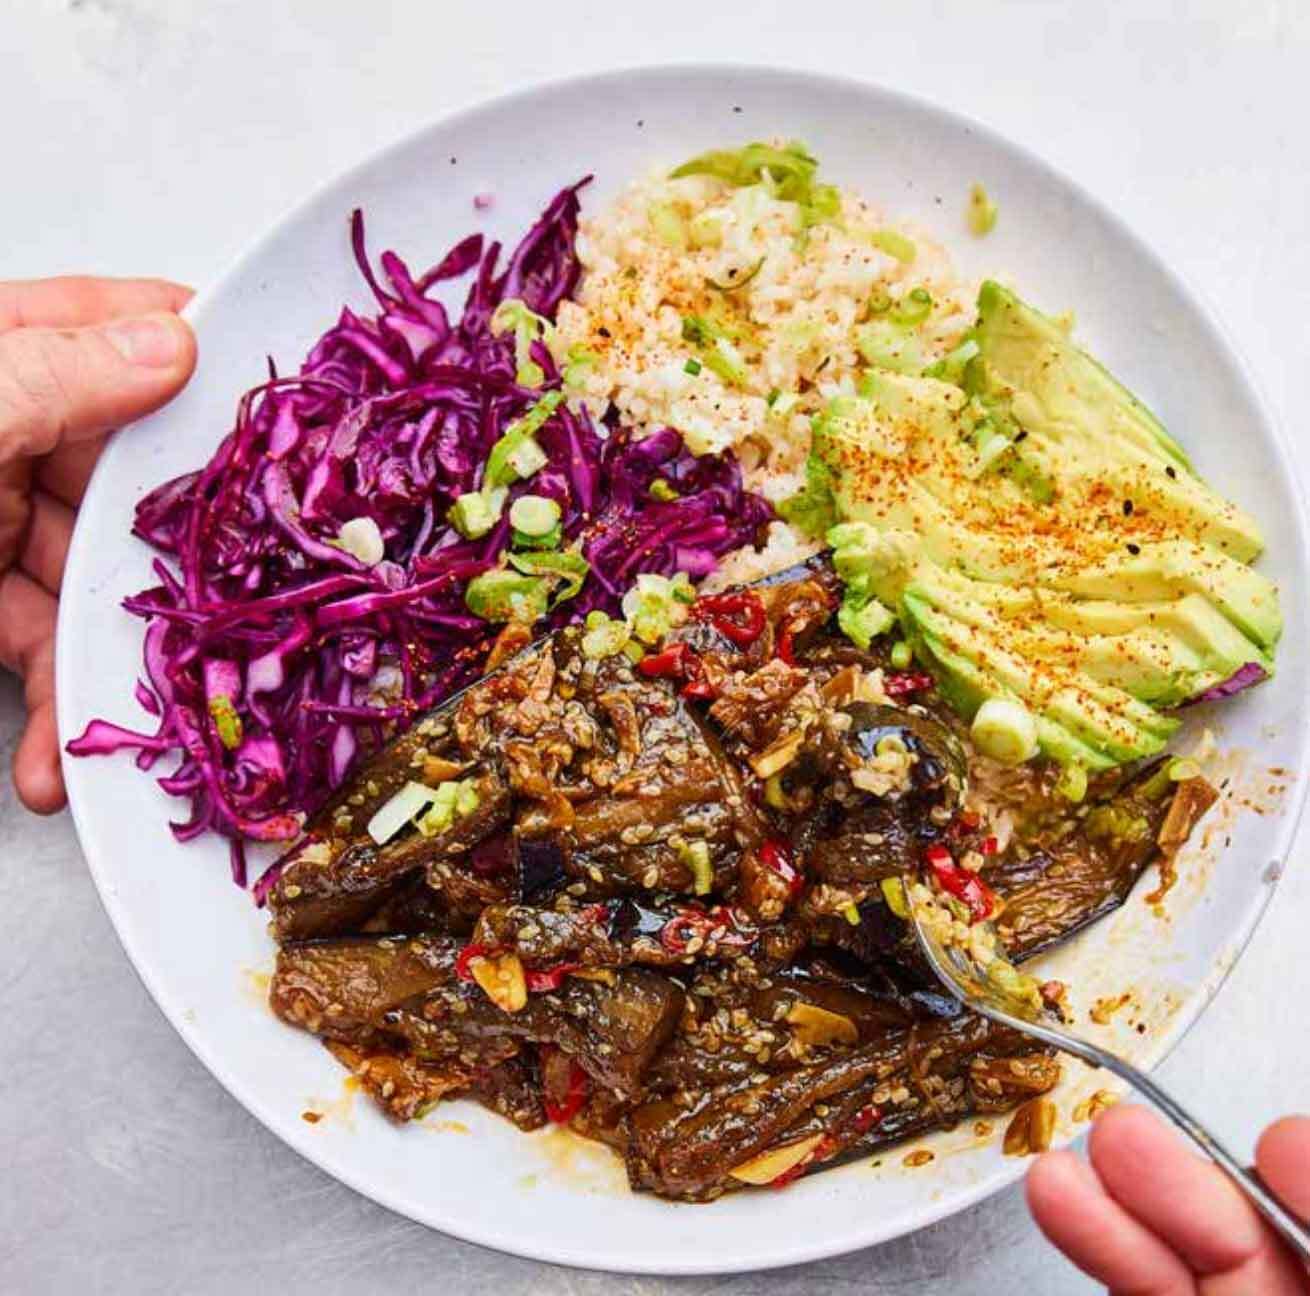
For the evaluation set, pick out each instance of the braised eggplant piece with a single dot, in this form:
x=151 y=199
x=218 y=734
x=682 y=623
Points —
x=651 y=899
x=335 y=882
x=1069 y=872
x=344 y=988
x=405 y=1087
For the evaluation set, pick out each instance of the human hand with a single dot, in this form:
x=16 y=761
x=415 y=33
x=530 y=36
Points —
x=1149 y=1218
x=78 y=357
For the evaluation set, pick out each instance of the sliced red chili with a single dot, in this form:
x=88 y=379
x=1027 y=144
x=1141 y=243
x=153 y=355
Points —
x=683 y=928
x=466 y=957
x=739 y=616
x=866 y=1118
x=821 y=1151
x=902 y=683
x=777 y=856
x=561 y=1110
x=989 y=846
x=699 y=689
x=963 y=885
x=547 y=979
x=787 y=646
x=669 y=664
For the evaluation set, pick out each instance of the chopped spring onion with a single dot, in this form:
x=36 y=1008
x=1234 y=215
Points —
x=227 y=720
x=914 y=307
x=452 y=801
x=737 y=280
x=507 y=596
x=534 y=515
x=362 y=539
x=669 y=226
x=851 y=912
x=783 y=404
x=527 y=458
x=693 y=367
x=717 y=351
x=696 y=856
x=571 y=568
x=1005 y=730
x=705 y=229
x=551 y=540
x=662 y=491
x=1183 y=769
x=982 y=211
x=406 y=805
x=579 y=364
x=528 y=327
x=655 y=604
x=887 y=345
x=901 y=656
x=516 y=454
x=1072 y=783
x=950 y=368
x=893 y=892
x=476 y=512
x=895 y=245
x=603 y=636
x=880 y=302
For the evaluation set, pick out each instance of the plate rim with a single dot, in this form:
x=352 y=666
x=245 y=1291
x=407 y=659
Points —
x=792 y=1253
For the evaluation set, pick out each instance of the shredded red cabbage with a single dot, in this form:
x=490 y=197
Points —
x=273 y=656
x=1242 y=678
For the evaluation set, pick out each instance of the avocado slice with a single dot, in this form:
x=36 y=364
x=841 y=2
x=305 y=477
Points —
x=1171 y=569
x=1077 y=420
x=1103 y=718
x=1031 y=352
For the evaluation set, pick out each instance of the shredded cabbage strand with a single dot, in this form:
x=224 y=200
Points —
x=312 y=593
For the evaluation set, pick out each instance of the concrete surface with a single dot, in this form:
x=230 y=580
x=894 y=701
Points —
x=158 y=136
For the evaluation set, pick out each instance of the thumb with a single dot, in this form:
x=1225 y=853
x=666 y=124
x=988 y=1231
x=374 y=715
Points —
x=69 y=384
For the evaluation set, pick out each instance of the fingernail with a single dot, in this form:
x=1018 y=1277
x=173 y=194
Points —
x=149 y=342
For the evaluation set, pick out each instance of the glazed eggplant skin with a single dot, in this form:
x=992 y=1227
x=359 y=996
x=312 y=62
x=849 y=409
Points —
x=687 y=896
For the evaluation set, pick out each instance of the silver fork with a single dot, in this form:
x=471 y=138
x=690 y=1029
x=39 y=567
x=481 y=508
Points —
x=961 y=977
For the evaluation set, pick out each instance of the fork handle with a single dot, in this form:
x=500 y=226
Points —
x=1292 y=1231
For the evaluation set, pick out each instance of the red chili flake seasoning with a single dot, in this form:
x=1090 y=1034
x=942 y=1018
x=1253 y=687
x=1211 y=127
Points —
x=960 y=883
x=903 y=683
x=776 y=855
x=739 y=617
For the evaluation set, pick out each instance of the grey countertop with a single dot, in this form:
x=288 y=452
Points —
x=153 y=136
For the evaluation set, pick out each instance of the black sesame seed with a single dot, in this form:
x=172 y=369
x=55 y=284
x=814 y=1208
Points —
x=1128 y=508
x=1171 y=470
x=1134 y=549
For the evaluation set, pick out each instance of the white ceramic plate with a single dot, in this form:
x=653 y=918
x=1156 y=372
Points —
x=197 y=942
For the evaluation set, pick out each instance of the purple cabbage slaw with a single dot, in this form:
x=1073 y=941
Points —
x=273 y=657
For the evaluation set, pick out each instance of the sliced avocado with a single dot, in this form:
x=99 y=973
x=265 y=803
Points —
x=1170 y=569
x=1076 y=414
x=966 y=687
x=1158 y=655
x=1101 y=716
x=1031 y=352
